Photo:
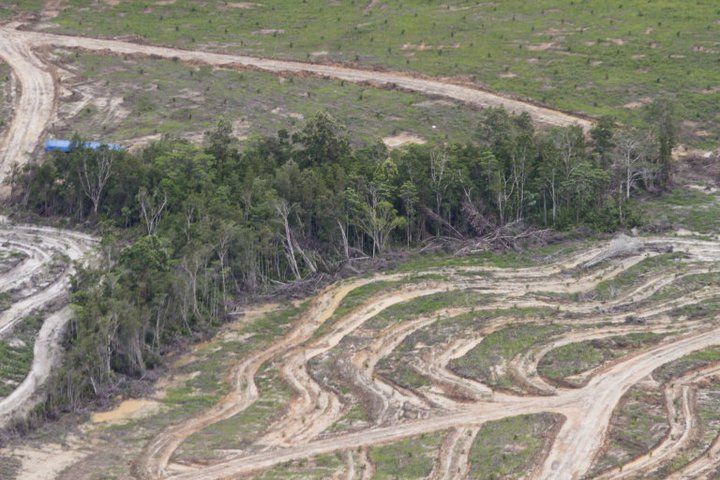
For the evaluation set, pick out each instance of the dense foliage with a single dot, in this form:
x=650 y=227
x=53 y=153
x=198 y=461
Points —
x=192 y=226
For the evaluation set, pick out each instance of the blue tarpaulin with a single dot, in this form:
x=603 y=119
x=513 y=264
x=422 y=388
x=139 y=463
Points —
x=66 y=145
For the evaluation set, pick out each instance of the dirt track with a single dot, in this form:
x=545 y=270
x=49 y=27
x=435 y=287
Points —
x=36 y=104
x=587 y=410
x=37 y=291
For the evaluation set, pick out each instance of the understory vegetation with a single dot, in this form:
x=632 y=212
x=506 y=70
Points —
x=187 y=228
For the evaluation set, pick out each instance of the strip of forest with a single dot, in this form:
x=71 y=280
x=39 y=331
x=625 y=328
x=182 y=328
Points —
x=190 y=229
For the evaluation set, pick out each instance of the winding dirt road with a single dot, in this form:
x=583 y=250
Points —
x=586 y=410
x=37 y=290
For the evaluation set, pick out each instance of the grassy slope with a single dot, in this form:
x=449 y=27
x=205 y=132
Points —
x=4 y=97
x=508 y=448
x=594 y=56
x=162 y=96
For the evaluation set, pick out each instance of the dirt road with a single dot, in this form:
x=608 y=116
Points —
x=38 y=288
x=35 y=106
x=587 y=410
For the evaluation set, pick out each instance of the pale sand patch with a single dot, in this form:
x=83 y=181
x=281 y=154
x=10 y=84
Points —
x=241 y=129
x=641 y=102
x=434 y=103
x=617 y=41
x=541 y=47
x=403 y=138
x=138 y=143
x=46 y=462
x=421 y=47
x=127 y=410
x=633 y=105
x=269 y=31
x=284 y=113
x=243 y=5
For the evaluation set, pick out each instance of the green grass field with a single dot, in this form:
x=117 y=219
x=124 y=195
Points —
x=592 y=56
x=139 y=97
x=507 y=448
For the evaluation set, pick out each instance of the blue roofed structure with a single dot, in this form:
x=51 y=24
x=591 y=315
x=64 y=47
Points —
x=66 y=146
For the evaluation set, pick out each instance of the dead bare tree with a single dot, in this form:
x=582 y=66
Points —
x=283 y=210
x=439 y=179
x=93 y=178
x=630 y=160
x=151 y=209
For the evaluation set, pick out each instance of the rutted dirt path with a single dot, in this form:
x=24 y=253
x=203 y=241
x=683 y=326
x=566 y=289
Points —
x=34 y=106
x=41 y=244
x=587 y=410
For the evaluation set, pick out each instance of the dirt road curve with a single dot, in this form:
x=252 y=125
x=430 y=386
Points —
x=38 y=285
x=35 y=105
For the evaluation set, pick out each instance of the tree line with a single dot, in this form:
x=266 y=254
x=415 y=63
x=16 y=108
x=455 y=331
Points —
x=187 y=228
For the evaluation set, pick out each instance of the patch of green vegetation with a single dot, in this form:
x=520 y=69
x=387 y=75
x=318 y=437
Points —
x=638 y=424
x=705 y=310
x=687 y=197
x=708 y=415
x=407 y=459
x=320 y=467
x=684 y=286
x=487 y=361
x=398 y=366
x=167 y=97
x=356 y=415
x=509 y=448
x=509 y=259
x=9 y=467
x=596 y=56
x=426 y=305
x=205 y=374
x=636 y=274
x=677 y=368
x=16 y=353
x=684 y=208
x=575 y=358
x=5 y=101
x=12 y=8
x=241 y=430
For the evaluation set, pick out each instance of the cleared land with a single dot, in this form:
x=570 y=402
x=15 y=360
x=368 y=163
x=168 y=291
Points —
x=138 y=99
x=596 y=57
x=315 y=390
x=569 y=361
